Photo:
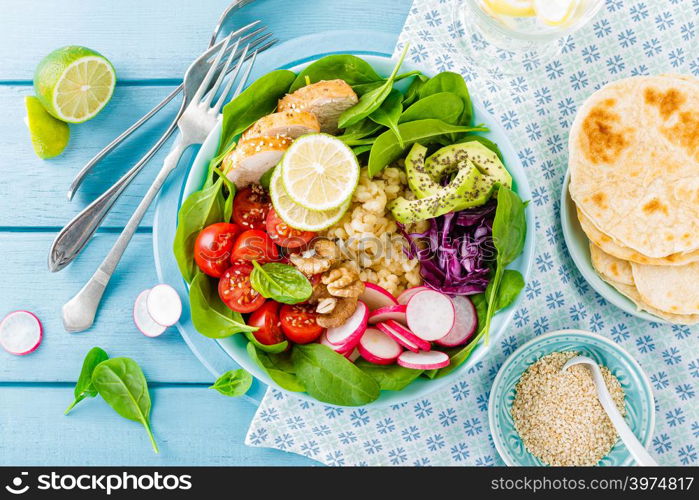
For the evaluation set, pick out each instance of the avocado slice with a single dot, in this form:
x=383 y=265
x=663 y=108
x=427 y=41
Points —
x=420 y=182
x=444 y=161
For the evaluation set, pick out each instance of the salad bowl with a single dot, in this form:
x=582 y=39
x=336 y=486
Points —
x=229 y=353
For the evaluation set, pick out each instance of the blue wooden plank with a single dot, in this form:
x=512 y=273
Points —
x=193 y=425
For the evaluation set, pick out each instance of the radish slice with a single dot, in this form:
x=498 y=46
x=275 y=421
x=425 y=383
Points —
x=146 y=325
x=403 y=331
x=353 y=356
x=423 y=360
x=164 y=305
x=347 y=336
x=375 y=297
x=397 y=337
x=430 y=315
x=396 y=313
x=465 y=324
x=404 y=297
x=338 y=349
x=20 y=333
x=378 y=348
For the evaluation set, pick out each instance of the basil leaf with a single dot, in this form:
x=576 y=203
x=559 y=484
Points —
x=443 y=106
x=280 y=282
x=389 y=113
x=233 y=383
x=210 y=316
x=331 y=378
x=84 y=387
x=448 y=81
x=278 y=367
x=389 y=377
x=121 y=383
x=352 y=69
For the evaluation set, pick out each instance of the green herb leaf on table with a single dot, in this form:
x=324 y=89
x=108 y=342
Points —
x=210 y=315
x=390 y=112
x=444 y=106
x=280 y=282
x=389 y=377
x=84 y=387
x=121 y=383
x=233 y=383
x=352 y=69
x=278 y=366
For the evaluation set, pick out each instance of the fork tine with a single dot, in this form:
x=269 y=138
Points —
x=242 y=39
x=231 y=80
x=221 y=74
x=244 y=79
x=210 y=74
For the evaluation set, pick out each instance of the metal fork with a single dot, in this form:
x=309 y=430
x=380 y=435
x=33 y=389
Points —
x=197 y=121
x=70 y=241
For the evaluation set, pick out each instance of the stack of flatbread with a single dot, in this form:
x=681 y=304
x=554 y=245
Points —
x=634 y=177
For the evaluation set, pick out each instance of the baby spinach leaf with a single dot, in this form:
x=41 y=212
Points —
x=447 y=81
x=370 y=101
x=352 y=69
x=359 y=132
x=386 y=148
x=233 y=383
x=443 y=106
x=278 y=366
x=258 y=100
x=331 y=378
x=121 y=383
x=413 y=92
x=363 y=88
x=509 y=226
x=280 y=282
x=273 y=348
x=511 y=284
x=267 y=178
x=389 y=113
x=357 y=150
x=84 y=387
x=389 y=377
x=210 y=315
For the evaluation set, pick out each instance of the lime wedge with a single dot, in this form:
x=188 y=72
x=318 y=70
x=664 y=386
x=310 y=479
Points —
x=512 y=8
x=49 y=135
x=319 y=172
x=74 y=83
x=297 y=216
x=555 y=12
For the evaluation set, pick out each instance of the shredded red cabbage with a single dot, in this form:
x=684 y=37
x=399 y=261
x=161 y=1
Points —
x=455 y=251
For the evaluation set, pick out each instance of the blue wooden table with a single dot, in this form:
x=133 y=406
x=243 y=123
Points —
x=150 y=44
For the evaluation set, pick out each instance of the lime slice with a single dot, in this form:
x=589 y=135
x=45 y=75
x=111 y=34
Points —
x=555 y=12
x=513 y=8
x=297 y=216
x=74 y=83
x=49 y=135
x=319 y=172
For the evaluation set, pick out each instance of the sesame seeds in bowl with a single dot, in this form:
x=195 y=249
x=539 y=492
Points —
x=539 y=416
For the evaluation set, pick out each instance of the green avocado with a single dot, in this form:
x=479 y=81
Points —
x=445 y=160
x=420 y=182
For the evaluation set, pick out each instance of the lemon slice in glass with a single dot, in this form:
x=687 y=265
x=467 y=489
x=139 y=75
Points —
x=74 y=83
x=49 y=135
x=297 y=216
x=513 y=8
x=319 y=172
x=555 y=12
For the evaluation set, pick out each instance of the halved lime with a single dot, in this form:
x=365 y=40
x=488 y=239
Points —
x=297 y=216
x=74 y=83
x=49 y=135
x=319 y=172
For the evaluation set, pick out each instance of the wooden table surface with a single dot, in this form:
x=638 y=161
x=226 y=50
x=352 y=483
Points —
x=150 y=44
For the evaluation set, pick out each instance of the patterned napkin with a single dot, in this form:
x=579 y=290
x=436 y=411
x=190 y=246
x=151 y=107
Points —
x=628 y=37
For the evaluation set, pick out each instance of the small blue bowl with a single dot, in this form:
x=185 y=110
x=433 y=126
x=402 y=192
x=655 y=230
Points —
x=640 y=404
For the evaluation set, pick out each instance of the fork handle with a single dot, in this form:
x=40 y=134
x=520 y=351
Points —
x=79 y=312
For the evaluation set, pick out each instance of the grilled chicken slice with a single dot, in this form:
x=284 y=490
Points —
x=326 y=99
x=288 y=123
x=253 y=157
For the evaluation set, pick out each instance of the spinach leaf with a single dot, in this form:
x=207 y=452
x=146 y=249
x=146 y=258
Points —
x=278 y=366
x=386 y=148
x=84 y=387
x=363 y=88
x=200 y=209
x=258 y=100
x=447 y=81
x=121 y=383
x=356 y=134
x=210 y=315
x=511 y=284
x=273 y=348
x=370 y=101
x=331 y=378
x=443 y=106
x=390 y=112
x=413 y=92
x=352 y=69
x=280 y=282
x=357 y=150
x=267 y=178
x=389 y=377
x=233 y=383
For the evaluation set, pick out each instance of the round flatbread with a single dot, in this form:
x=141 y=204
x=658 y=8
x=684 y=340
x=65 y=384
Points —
x=673 y=289
x=609 y=267
x=634 y=163
x=632 y=294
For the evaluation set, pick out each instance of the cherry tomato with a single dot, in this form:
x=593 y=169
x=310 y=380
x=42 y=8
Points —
x=299 y=323
x=250 y=207
x=254 y=245
x=267 y=319
x=213 y=248
x=285 y=235
x=235 y=289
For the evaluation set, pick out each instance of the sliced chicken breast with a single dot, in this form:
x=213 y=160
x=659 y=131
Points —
x=326 y=99
x=288 y=123
x=253 y=157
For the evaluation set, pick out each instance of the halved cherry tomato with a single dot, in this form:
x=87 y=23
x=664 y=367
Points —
x=235 y=289
x=266 y=318
x=254 y=245
x=299 y=323
x=213 y=248
x=284 y=235
x=250 y=207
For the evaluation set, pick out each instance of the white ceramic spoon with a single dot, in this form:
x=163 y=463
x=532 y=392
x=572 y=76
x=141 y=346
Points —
x=637 y=450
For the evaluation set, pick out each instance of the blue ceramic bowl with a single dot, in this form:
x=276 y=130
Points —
x=640 y=404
